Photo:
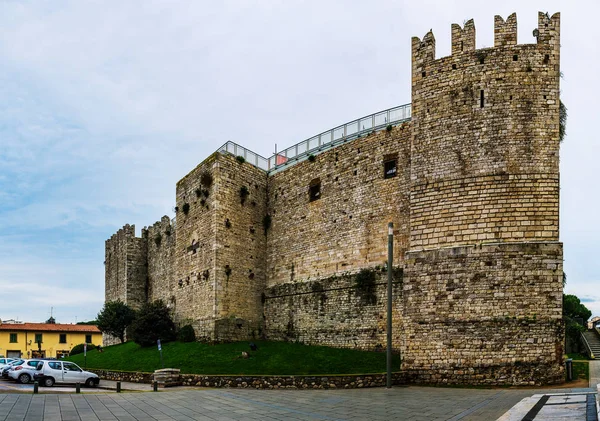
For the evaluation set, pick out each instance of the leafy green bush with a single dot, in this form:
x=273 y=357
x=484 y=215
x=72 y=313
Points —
x=186 y=334
x=152 y=322
x=78 y=349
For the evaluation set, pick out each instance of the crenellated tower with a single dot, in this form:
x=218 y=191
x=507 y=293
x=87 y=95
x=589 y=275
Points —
x=484 y=254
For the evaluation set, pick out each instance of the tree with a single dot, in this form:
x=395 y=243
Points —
x=153 y=322
x=114 y=318
x=573 y=310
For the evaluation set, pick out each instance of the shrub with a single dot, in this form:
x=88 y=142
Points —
x=311 y=158
x=206 y=179
x=78 y=349
x=186 y=334
x=389 y=128
x=240 y=159
x=153 y=322
x=244 y=192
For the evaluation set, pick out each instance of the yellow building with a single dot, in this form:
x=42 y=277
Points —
x=39 y=340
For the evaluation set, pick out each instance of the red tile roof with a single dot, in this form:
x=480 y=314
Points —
x=49 y=327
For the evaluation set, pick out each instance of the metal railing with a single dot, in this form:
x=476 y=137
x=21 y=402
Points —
x=251 y=157
x=323 y=141
x=587 y=346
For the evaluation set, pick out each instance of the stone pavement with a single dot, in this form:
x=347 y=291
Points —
x=399 y=403
x=594 y=373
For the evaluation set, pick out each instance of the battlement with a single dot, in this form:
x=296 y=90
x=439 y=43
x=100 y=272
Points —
x=463 y=39
x=505 y=34
x=549 y=30
x=128 y=231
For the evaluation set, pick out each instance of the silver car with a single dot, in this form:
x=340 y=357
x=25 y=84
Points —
x=24 y=372
x=50 y=372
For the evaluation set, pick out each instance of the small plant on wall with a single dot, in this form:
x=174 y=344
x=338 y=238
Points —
x=267 y=222
x=365 y=285
x=198 y=192
x=227 y=271
x=244 y=192
x=240 y=159
x=227 y=223
x=186 y=208
x=311 y=158
x=206 y=179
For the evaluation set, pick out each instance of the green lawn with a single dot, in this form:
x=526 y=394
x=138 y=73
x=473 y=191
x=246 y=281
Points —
x=581 y=370
x=272 y=358
x=576 y=356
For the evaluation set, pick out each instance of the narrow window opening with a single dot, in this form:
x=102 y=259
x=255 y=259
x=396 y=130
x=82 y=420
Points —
x=481 y=99
x=355 y=172
x=481 y=60
x=511 y=97
x=515 y=57
x=546 y=59
x=544 y=96
x=462 y=46
x=314 y=190
x=389 y=169
x=423 y=74
x=454 y=67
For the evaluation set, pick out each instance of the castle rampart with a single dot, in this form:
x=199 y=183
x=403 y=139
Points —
x=296 y=252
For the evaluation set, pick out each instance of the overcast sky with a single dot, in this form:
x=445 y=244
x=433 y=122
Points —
x=104 y=105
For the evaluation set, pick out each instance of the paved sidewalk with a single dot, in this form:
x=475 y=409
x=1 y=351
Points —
x=399 y=403
x=594 y=373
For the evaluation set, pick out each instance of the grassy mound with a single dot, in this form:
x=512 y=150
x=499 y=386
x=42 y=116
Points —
x=271 y=358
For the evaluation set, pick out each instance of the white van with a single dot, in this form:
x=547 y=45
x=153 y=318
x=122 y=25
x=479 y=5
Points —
x=50 y=372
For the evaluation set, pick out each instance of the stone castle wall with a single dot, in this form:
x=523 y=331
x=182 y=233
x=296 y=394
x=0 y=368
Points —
x=241 y=247
x=345 y=229
x=335 y=312
x=161 y=239
x=483 y=284
x=472 y=188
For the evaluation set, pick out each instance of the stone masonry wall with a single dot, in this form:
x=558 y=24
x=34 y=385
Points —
x=470 y=309
x=125 y=270
x=485 y=138
x=346 y=228
x=161 y=238
x=240 y=202
x=334 y=312
x=194 y=292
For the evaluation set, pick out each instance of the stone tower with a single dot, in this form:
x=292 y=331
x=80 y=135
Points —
x=483 y=286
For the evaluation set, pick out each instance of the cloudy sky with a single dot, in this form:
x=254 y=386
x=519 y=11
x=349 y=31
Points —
x=104 y=105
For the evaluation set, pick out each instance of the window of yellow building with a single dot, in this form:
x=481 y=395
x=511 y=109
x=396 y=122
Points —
x=38 y=338
x=88 y=339
x=63 y=338
x=13 y=338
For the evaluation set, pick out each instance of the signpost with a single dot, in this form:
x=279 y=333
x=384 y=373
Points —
x=389 y=303
x=160 y=350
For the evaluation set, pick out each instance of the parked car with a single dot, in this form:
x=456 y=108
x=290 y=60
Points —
x=50 y=372
x=23 y=372
x=4 y=361
x=10 y=365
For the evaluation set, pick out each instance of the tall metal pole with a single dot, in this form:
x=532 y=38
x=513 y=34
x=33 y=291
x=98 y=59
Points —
x=389 y=303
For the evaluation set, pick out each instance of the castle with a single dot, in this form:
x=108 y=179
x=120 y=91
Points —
x=293 y=247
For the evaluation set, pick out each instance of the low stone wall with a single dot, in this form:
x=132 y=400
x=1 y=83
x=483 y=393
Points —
x=124 y=376
x=262 y=382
